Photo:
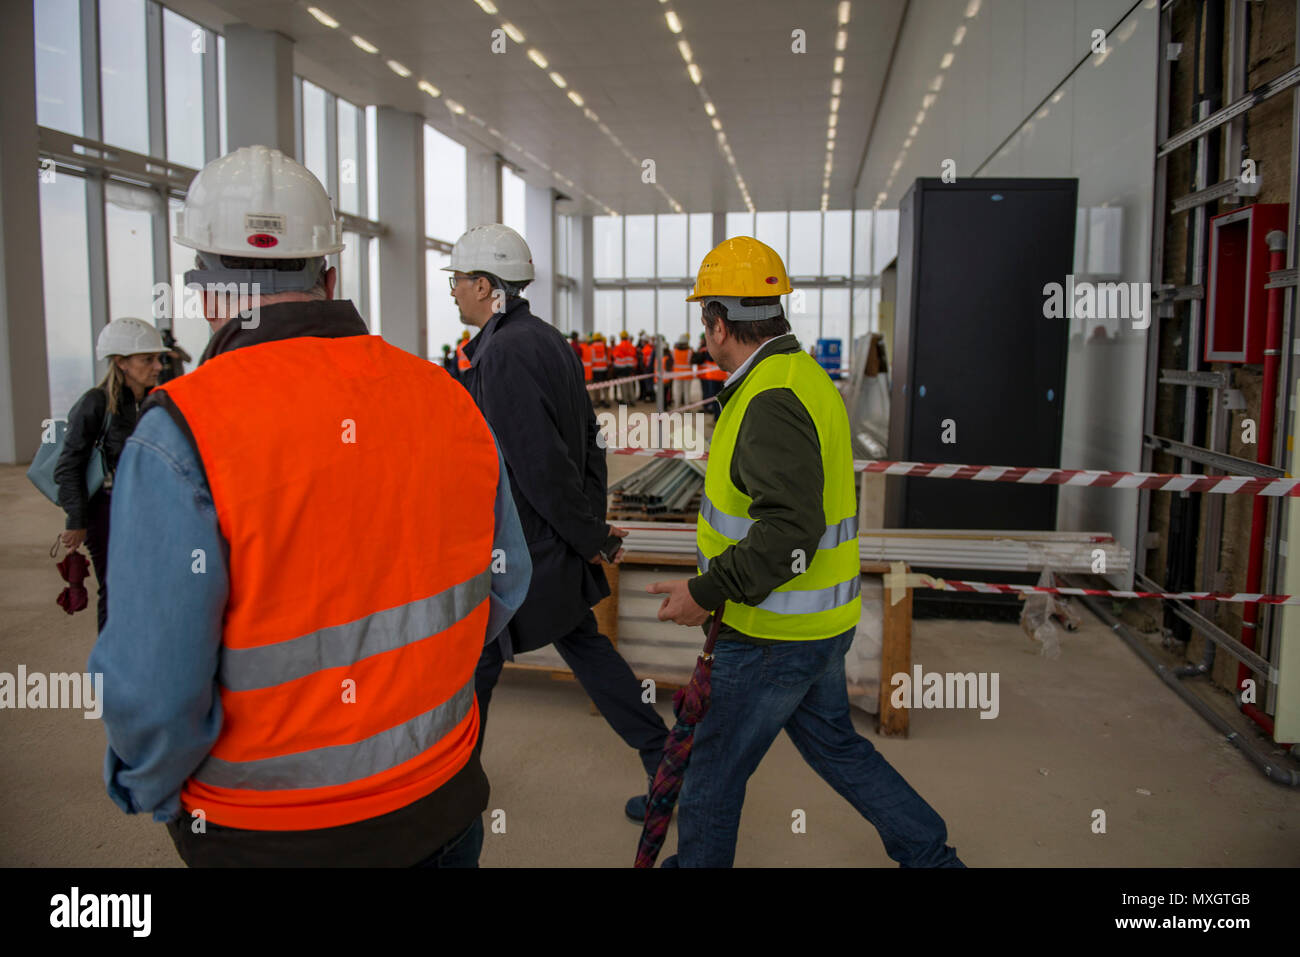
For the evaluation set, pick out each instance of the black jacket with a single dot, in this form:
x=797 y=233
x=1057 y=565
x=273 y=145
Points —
x=84 y=423
x=528 y=383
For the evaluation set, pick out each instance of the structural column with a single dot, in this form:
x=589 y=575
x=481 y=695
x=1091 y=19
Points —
x=24 y=382
x=584 y=252
x=539 y=229
x=403 y=301
x=482 y=187
x=259 y=89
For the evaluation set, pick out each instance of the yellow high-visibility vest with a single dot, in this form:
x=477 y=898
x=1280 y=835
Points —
x=824 y=599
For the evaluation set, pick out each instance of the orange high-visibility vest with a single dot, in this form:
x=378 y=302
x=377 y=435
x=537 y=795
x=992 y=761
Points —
x=354 y=622
x=709 y=370
x=599 y=361
x=647 y=354
x=462 y=363
x=586 y=361
x=682 y=362
x=625 y=355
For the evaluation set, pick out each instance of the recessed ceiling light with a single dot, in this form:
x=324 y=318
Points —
x=717 y=123
x=536 y=57
x=458 y=109
x=365 y=44
x=839 y=64
x=937 y=83
x=959 y=35
x=573 y=95
x=844 y=12
x=694 y=71
x=835 y=104
x=559 y=80
x=837 y=86
x=684 y=49
x=432 y=90
x=972 y=8
x=920 y=117
x=513 y=32
x=673 y=23
x=397 y=68
x=488 y=6
x=830 y=134
x=323 y=17
x=833 y=119
x=709 y=108
x=913 y=130
x=841 y=39
x=927 y=101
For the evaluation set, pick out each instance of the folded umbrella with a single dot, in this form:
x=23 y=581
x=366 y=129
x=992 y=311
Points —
x=690 y=705
x=74 y=568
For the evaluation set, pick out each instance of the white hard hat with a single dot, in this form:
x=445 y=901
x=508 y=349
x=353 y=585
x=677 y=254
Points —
x=257 y=202
x=127 y=337
x=492 y=248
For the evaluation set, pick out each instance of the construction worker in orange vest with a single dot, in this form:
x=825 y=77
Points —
x=462 y=362
x=682 y=369
x=645 y=364
x=600 y=366
x=711 y=377
x=625 y=366
x=278 y=695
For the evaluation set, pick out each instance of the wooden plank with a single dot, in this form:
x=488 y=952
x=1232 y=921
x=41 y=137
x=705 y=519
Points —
x=895 y=657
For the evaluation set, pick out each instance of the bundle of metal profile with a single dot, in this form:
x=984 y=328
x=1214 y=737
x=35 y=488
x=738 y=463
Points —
x=664 y=487
x=1079 y=552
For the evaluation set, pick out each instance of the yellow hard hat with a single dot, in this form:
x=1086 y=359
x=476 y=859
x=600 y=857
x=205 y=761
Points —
x=624 y=335
x=741 y=267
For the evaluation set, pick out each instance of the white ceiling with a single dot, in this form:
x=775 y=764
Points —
x=623 y=60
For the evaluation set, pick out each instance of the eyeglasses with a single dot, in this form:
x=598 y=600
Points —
x=452 y=280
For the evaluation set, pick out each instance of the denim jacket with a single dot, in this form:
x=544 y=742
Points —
x=160 y=650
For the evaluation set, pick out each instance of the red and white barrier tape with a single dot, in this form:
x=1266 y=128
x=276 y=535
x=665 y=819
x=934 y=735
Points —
x=670 y=375
x=1159 y=481
x=915 y=580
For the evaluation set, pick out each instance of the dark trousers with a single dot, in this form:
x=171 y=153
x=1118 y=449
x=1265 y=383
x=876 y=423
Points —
x=97 y=512
x=604 y=676
x=461 y=851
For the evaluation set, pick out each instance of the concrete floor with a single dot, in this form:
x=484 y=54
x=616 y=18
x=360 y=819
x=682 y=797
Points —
x=1093 y=729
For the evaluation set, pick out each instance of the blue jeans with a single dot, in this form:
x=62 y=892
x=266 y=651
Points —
x=461 y=851
x=799 y=686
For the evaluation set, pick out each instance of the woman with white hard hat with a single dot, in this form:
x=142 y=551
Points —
x=99 y=424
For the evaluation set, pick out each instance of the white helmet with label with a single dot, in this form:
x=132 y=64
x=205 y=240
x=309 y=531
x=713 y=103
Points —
x=127 y=337
x=492 y=248
x=256 y=202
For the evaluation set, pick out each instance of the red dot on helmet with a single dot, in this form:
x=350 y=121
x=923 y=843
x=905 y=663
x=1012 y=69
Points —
x=262 y=240
x=771 y=280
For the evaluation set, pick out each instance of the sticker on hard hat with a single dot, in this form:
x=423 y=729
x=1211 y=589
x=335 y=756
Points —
x=263 y=223
x=262 y=240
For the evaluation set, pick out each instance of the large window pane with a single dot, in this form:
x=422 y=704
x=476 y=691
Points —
x=739 y=224
x=373 y=316
x=221 y=95
x=563 y=237
x=444 y=186
x=513 y=197
x=886 y=229
x=350 y=260
x=58 y=65
x=122 y=70
x=313 y=132
x=802 y=308
x=640 y=312
x=701 y=241
x=835 y=316
x=349 y=153
x=805 y=244
x=609 y=311
x=128 y=226
x=671 y=262
x=69 y=346
x=607 y=243
x=183 y=88
x=640 y=246
x=674 y=311
x=838 y=245
x=444 y=325
x=862 y=242
x=770 y=229
x=191 y=331
x=372 y=169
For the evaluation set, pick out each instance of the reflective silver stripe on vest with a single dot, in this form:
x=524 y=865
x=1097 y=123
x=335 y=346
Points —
x=248 y=669
x=801 y=602
x=810 y=602
x=737 y=527
x=342 y=763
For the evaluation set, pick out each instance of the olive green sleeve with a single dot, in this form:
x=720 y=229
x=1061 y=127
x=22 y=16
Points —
x=778 y=464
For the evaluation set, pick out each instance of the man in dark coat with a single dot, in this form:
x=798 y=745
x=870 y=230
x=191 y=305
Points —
x=529 y=385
